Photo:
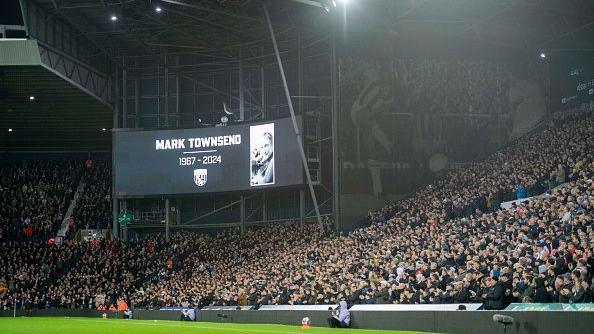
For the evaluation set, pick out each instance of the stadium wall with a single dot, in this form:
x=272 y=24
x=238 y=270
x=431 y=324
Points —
x=460 y=322
x=86 y=313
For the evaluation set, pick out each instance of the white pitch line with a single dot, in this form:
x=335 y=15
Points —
x=137 y=322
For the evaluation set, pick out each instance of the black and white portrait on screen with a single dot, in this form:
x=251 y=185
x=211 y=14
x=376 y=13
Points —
x=262 y=154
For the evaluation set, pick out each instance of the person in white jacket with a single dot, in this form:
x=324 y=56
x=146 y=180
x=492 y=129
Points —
x=343 y=318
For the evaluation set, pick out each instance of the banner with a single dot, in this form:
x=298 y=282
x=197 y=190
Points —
x=550 y=307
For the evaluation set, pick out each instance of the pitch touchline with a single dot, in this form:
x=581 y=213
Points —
x=192 y=152
x=137 y=322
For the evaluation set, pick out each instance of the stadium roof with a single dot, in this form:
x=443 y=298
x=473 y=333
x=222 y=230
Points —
x=213 y=27
x=59 y=115
x=219 y=28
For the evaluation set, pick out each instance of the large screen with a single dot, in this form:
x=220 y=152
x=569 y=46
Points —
x=228 y=158
x=572 y=80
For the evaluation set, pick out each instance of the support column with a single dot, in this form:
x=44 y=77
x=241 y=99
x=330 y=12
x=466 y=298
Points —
x=292 y=111
x=335 y=152
x=167 y=219
x=242 y=213
x=114 y=202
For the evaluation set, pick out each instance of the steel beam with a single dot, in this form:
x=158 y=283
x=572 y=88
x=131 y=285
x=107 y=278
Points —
x=335 y=152
x=212 y=10
x=183 y=32
x=240 y=33
x=114 y=200
x=77 y=73
x=298 y=135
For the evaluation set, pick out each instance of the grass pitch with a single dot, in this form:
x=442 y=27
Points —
x=118 y=326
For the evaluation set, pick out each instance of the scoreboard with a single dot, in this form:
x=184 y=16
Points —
x=572 y=80
x=187 y=161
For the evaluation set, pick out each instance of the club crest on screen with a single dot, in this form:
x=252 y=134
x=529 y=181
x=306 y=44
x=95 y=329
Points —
x=200 y=177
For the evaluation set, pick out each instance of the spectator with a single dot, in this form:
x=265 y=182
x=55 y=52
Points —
x=434 y=247
x=342 y=319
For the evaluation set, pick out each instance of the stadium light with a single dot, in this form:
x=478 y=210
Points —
x=9 y=129
x=543 y=55
x=158 y=9
x=31 y=98
x=103 y=129
x=114 y=18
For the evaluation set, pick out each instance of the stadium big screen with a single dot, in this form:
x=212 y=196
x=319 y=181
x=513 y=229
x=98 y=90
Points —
x=572 y=80
x=228 y=158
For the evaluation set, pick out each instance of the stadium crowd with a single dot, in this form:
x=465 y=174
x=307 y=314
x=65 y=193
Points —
x=93 y=210
x=449 y=243
x=34 y=196
x=462 y=86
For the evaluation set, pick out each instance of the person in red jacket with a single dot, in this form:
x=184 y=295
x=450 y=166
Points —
x=29 y=231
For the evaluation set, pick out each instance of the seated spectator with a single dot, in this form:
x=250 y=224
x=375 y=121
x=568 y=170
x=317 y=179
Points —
x=188 y=314
x=342 y=319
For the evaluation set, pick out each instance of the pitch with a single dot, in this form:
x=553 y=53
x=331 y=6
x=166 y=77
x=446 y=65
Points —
x=117 y=326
